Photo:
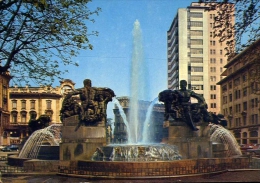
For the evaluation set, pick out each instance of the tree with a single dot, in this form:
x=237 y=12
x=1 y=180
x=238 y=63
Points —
x=36 y=36
x=40 y=123
x=246 y=29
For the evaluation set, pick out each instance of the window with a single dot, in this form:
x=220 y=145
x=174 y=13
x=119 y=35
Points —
x=220 y=51
x=244 y=120
x=197 y=87
x=213 y=96
x=212 y=51
x=196 y=14
x=237 y=81
x=212 y=43
x=196 y=51
x=213 y=105
x=252 y=88
x=221 y=60
x=224 y=88
x=32 y=104
x=244 y=92
x=230 y=97
x=196 y=78
x=212 y=87
x=254 y=103
x=244 y=106
x=14 y=104
x=230 y=110
x=238 y=122
x=224 y=99
x=221 y=69
x=196 y=33
x=196 y=69
x=23 y=102
x=212 y=69
x=196 y=60
x=254 y=119
x=237 y=94
x=212 y=60
x=196 y=41
x=213 y=78
x=230 y=85
x=196 y=24
x=238 y=108
x=14 y=116
x=48 y=104
x=23 y=117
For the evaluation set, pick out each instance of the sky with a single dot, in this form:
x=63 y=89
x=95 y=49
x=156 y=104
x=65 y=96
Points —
x=109 y=63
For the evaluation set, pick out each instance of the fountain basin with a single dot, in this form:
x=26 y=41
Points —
x=137 y=152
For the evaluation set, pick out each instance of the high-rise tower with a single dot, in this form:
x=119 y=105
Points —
x=195 y=54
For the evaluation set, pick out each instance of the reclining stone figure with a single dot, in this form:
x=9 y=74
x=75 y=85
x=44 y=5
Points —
x=178 y=102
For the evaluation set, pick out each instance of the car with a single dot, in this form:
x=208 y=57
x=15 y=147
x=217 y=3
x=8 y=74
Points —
x=254 y=151
x=10 y=148
x=2 y=146
x=6 y=149
x=14 y=147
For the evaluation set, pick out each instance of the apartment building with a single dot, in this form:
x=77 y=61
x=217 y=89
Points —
x=27 y=101
x=194 y=54
x=241 y=93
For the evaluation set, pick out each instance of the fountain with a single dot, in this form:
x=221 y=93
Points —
x=43 y=144
x=138 y=84
x=85 y=146
x=224 y=139
x=138 y=147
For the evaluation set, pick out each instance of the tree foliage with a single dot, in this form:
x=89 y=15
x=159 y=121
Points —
x=246 y=29
x=40 y=123
x=36 y=36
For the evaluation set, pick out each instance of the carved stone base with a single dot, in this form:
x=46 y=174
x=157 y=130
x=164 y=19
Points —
x=80 y=144
x=191 y=144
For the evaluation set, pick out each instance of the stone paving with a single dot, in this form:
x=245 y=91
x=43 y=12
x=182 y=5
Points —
x=231 y=176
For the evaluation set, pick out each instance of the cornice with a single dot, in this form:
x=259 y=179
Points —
x=34 y=95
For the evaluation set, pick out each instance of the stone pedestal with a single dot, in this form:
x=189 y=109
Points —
x=191 y=144
x=80 y=144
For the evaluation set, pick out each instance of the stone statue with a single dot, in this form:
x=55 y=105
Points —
x=178 y=102
x=92 y=105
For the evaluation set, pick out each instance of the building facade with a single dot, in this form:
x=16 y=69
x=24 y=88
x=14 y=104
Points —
x=25 y=102
x=4 y=112
x=240 y=95
x=156 y=120
x=195 y=54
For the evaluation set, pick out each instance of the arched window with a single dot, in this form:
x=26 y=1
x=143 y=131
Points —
x=23 y=116
x=14 y=116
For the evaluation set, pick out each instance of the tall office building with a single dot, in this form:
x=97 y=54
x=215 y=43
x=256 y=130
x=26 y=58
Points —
x=194 y=54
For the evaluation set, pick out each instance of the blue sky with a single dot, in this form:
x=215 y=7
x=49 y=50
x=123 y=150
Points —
x=108 y=65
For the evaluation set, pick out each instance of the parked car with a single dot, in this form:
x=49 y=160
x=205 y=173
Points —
x=14 y=147
x=254 y=151
x=6 y=149
x=2 y=146
x=10 y=148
